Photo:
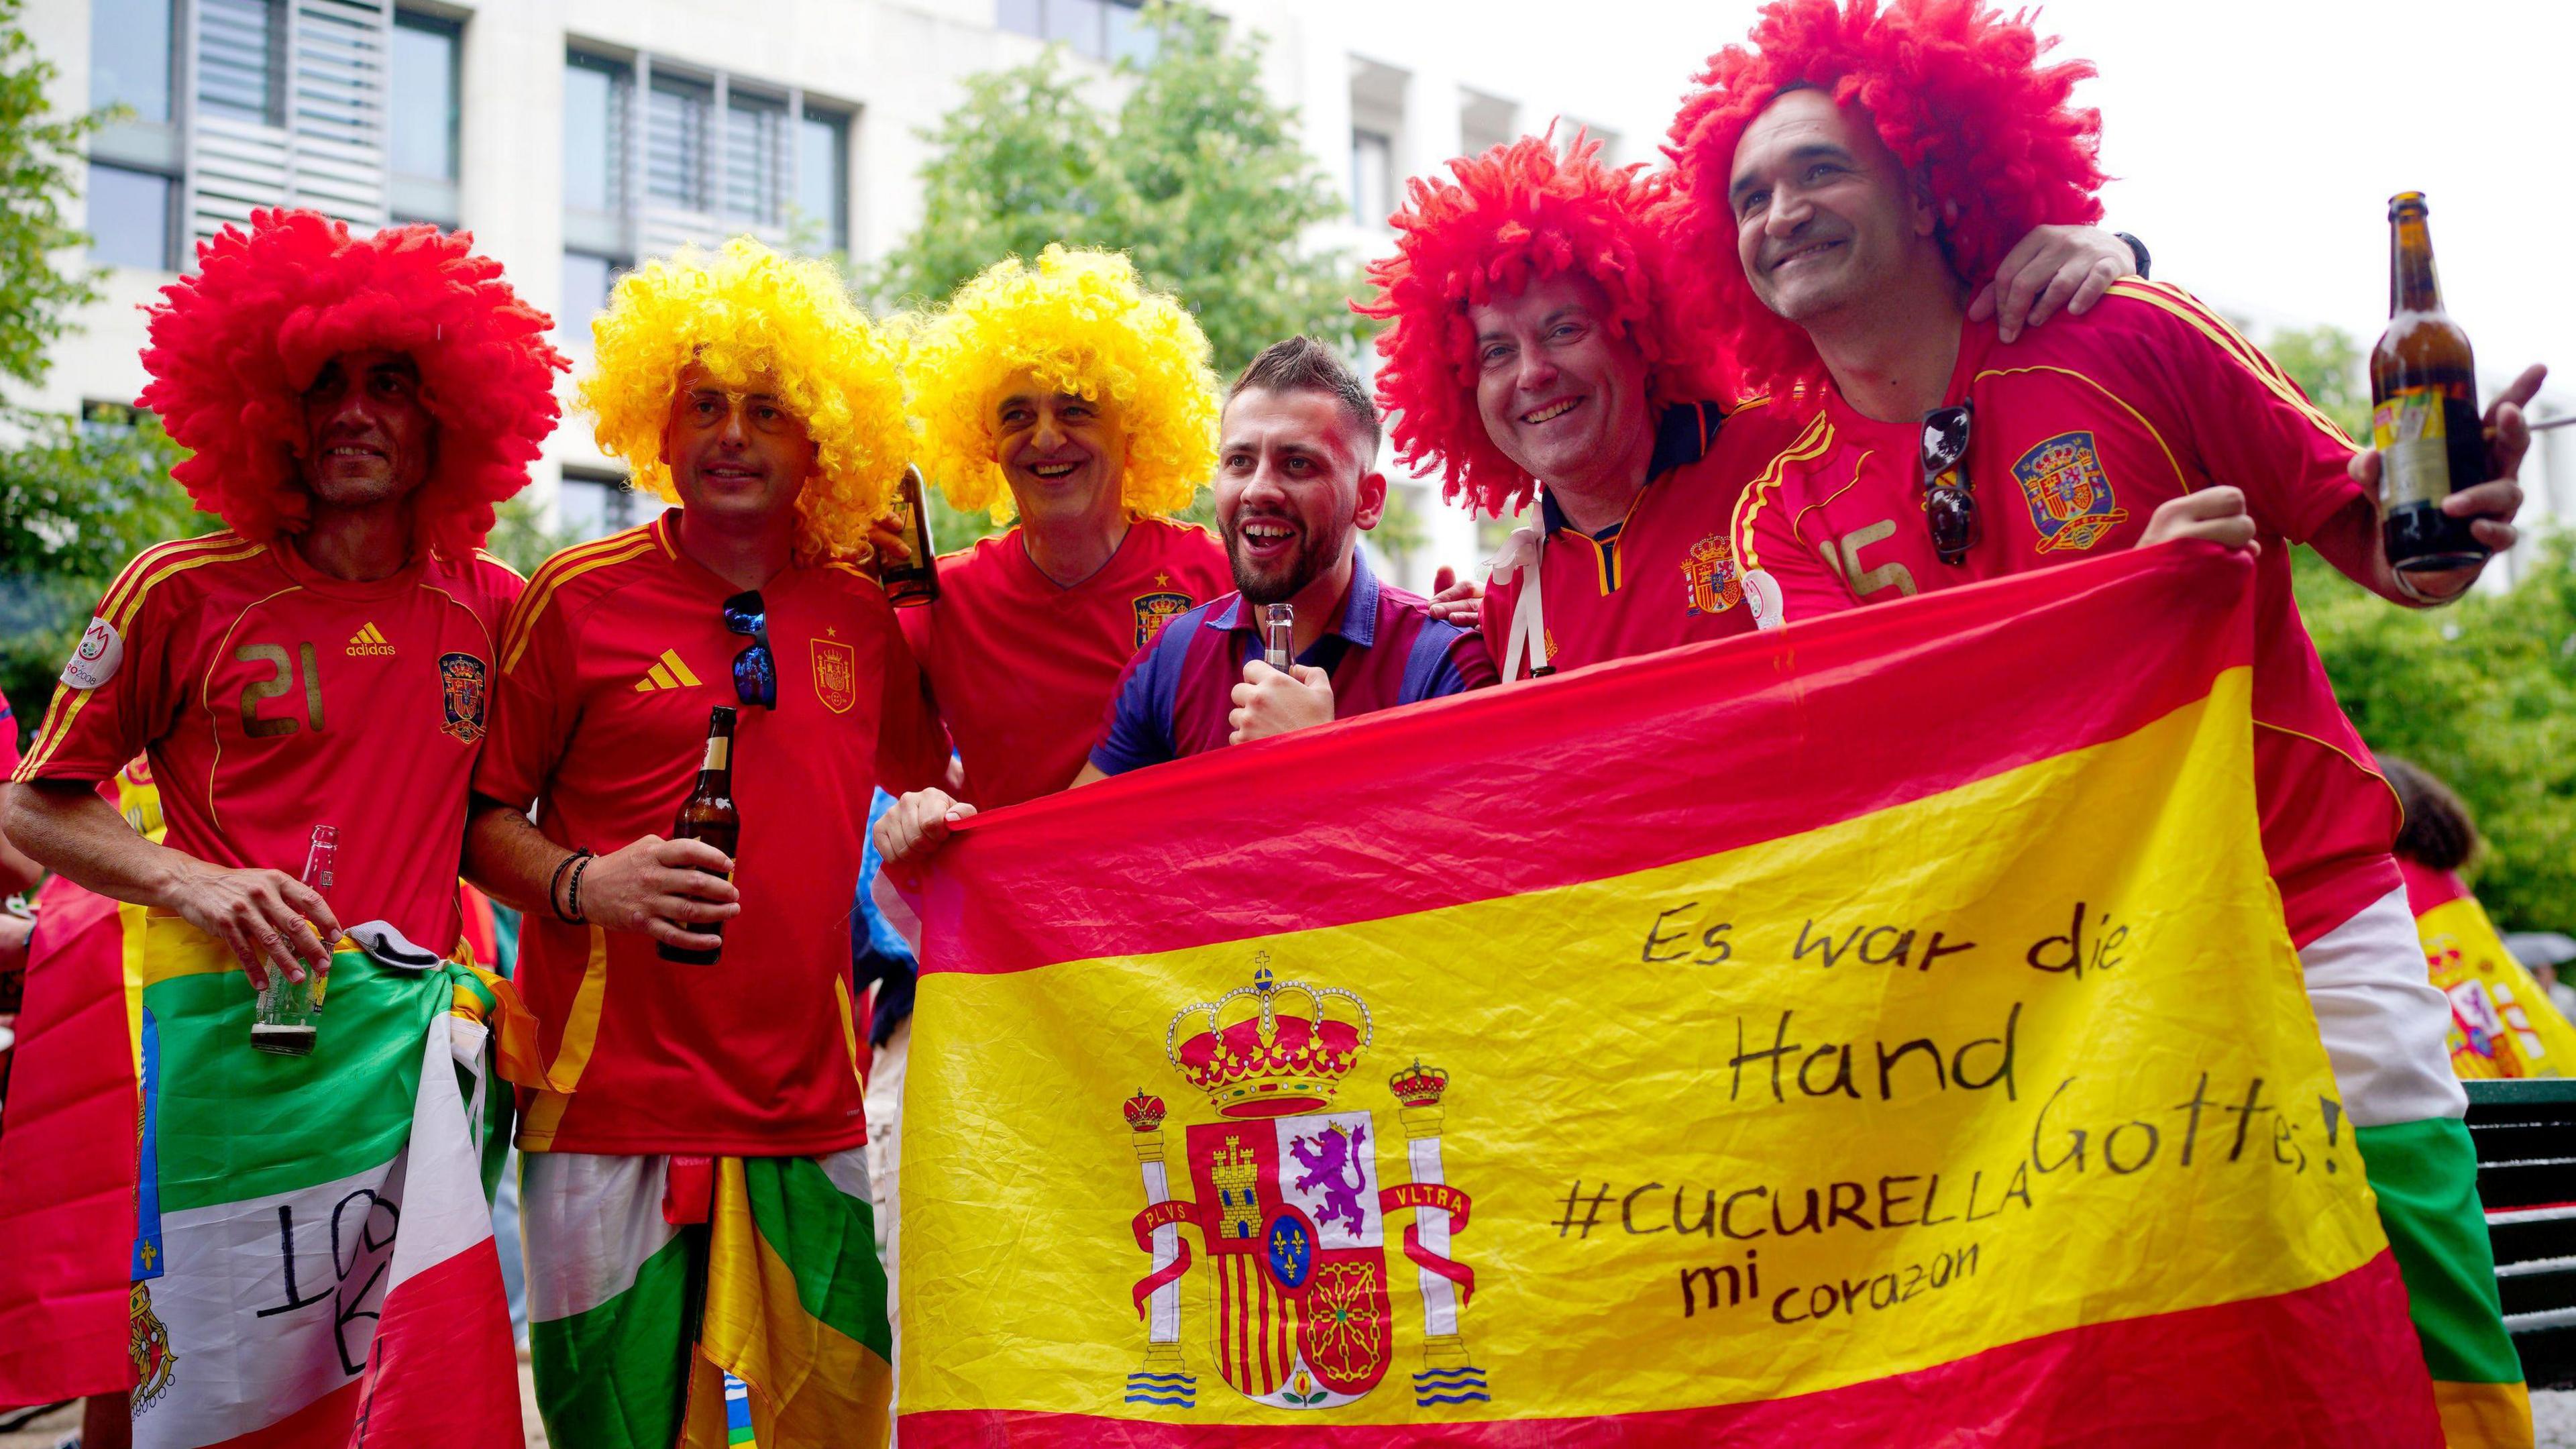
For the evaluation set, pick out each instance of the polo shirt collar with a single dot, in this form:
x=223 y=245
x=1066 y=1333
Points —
x=1359 y=608
x=1683 y=433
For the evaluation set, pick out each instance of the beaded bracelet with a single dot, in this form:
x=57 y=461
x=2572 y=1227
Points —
x=574 y=889
x=554 y=887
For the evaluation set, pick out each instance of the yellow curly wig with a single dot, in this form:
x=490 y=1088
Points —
x=742 y=313
x=1079 y=322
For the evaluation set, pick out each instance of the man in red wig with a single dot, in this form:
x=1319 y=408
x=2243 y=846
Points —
x=1534 y=346
x=355 y=406
x=1837 y=184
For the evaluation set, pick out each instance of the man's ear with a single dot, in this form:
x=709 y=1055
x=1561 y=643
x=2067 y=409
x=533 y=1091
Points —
x=1372 y=501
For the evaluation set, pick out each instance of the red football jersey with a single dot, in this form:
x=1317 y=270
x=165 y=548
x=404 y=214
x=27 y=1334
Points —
x=8 y=737
x=271 y=699
x=2080 y=429
x=608 y=671
x=1021 y=668
x=1666 y=574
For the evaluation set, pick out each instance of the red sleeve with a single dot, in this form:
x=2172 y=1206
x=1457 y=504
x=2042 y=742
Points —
x=533 y=702
x=8 y=738
x=912 y=750
x=1766 y=540
x=2249 y=423
x=135 y=686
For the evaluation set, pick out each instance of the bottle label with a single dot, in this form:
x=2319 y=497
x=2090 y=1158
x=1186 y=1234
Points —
x=2414 y=459
x=719 y=754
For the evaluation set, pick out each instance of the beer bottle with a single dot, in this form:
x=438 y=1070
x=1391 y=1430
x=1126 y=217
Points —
x=1279 y=636
x=709 y=815
x=2424 y=406
x=915 y=580
x=286 y=1019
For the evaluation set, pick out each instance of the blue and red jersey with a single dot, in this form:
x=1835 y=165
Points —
x=1385 y=650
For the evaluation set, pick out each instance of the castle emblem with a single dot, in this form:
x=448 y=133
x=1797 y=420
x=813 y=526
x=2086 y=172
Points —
x=1156 y=609
x=2069 y=495
x=1708 y=576
x=1289 y=1205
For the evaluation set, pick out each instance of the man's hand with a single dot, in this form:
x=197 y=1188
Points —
x=2490 y=506
x=661 y=888
x=2217 y=514
x=1272 y=702
x=261 y=916
x=1455 y=600
x=887 y=539
x=2054 y=267
x=914 y=828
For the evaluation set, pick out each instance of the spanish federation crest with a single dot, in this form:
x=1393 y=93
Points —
x=2068 y=493
x=1708 y=576
x=1287 y=1199
x=836 y=674
x=1156 y=609
x=461 y=695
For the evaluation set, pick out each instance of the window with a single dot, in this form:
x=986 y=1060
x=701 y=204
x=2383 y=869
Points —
x=596 y=96
x=129 y=57
x=755 y=158
x=130 y=216
x=1099 y=29
x=586 y=283
x=823 y=182
x=424 y=103
x=241 y=59
x=675 y=142
x=594 y=504
x=1372 y=177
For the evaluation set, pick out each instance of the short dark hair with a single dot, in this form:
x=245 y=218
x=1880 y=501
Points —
x=1302 y=364
x=2438 y=832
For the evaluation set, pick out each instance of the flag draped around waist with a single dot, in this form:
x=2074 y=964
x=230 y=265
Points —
x=1878 y=1030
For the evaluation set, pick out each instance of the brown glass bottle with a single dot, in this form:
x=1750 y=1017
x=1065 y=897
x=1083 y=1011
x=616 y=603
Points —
x=915 y=580
x=2424 y=406
x=709 y=815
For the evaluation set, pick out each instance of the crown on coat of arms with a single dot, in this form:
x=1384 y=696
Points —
x=1418 y=1085
x=1144 y=1111
x=1269 y=1063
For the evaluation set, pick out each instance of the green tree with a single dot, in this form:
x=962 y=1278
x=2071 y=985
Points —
x=77 y=497
x=2482 y=693
x=1197 y=176
x=37 y=156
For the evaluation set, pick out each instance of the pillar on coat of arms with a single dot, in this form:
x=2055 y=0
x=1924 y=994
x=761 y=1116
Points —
x=1161 y=1378
x=1447 y=1376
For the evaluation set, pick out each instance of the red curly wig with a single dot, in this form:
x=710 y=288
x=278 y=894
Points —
x=1957 y=92
x=1516 y=214
x=235 y=346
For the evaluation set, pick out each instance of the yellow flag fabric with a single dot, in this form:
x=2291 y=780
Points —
x=1881 y=1030
x=2503 y=1023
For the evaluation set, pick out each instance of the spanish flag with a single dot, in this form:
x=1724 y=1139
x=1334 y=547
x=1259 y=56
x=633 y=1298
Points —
x=1878 y=1031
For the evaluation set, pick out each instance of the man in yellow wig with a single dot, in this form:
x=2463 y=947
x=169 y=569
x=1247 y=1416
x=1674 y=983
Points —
x=1066 y=395
x=700 y=1241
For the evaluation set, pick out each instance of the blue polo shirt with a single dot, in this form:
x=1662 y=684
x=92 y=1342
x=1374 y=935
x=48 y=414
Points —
x=1386 y=650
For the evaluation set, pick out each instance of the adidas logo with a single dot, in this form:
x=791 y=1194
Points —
x=369 y=640
x=669 y=672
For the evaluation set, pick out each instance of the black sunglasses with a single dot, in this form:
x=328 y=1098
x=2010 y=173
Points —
x=1949 y=499
x=755 y=669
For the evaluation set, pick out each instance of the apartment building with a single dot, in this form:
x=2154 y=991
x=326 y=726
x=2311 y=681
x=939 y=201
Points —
x=576 y=137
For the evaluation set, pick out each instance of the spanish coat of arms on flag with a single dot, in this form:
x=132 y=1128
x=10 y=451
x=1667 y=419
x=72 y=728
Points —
x=1879 y=1030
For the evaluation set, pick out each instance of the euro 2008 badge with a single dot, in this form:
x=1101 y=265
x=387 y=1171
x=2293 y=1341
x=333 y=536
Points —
x=95 y=658
x=1287 y=1194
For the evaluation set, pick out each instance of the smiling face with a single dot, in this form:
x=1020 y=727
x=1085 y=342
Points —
x=1561 y=392
x=1063 y=455
x=368 y=437
x=732 y=452
x=1824 y=217
x=1292 y=484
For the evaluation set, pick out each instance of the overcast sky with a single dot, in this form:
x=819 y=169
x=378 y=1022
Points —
x=2255 y=142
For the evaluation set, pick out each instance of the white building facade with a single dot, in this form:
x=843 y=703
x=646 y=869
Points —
x=575 y=137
